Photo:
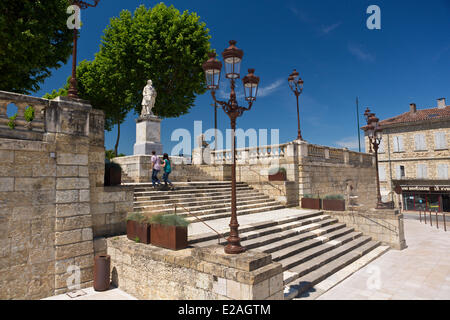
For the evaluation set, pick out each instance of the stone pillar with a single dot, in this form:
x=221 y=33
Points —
x=67 y=123
x=148 y=136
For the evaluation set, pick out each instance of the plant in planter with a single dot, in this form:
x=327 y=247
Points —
x=277 y=174
x=334 y=202
x=310 y=202
x=169 y=231
x=138 y=228
x=113 y=173
x=12 y=122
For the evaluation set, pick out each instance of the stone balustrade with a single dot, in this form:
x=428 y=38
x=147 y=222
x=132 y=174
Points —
x=23 y=129
x=250 y=155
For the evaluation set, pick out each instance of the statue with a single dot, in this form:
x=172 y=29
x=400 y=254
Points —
x=148 y=102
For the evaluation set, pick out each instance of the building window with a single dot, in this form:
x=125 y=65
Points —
x=420 y=143
x=401 y=172
x=398 y=144
x=440 y=141
x=422 y=171
x=442 y=170
x=381 y=147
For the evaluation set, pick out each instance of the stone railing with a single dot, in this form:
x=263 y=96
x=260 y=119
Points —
x=23 y=129
x=250 y=155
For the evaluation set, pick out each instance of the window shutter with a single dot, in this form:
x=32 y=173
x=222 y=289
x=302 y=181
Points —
x=382 y=172
x=417 y=142
x=440 y=140
x=400 y=144
x=396 y=145
x=443 y=171
x=398 y=172
x=381 y=149
x=422 y=171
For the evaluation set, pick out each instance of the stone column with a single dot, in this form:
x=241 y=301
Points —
x=67 y=123
x=148 y=136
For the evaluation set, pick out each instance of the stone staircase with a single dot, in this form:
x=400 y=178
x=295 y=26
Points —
x=311 y=246
x=206 y=199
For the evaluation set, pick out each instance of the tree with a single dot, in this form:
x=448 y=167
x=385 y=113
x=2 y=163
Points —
x=160 y=44
x=34 y=40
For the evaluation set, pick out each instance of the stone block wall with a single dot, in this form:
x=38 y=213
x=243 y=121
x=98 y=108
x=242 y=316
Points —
x=382 y=225
x=151 y=273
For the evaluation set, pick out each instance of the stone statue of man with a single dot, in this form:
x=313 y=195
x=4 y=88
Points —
x=148 y=102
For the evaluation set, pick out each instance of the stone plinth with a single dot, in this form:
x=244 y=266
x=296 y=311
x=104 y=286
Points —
x=148 y=136
x=152 y=273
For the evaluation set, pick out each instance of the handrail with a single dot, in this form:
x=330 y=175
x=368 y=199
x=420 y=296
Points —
x=395 y=228
x=195 y=216
x=260 y=175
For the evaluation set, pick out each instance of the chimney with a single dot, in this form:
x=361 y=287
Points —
x=441 y=103
x=412 y=108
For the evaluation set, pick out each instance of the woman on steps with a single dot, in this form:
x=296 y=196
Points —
x=167 y=169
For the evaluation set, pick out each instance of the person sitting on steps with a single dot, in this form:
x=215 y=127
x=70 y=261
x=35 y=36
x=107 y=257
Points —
x=167 y=169
x=156 y=165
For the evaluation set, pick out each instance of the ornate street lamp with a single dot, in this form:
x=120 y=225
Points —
x=232 y=57
x=375 y=135
x=296 y=85
x=73 y=90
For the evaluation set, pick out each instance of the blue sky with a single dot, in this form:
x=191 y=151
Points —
x=327 y=41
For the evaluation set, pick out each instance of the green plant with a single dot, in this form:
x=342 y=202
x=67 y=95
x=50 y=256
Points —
x=12 y=121
x=29 y=114
x=308 y=196
x=136 y=216
x=169 y=220
x=110 y=154
x=334 y=197
x=137 y=240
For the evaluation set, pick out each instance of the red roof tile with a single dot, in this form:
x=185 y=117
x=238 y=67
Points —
x=419 y=115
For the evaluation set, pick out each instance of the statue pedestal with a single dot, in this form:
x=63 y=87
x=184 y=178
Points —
x=148 y=136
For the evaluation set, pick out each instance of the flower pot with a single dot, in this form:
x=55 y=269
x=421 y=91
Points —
x=138 y=230
x=169 y=237
x=102 y=270
x=333 y=205
x=310 y=203
x=280 y=176
x=143 y=232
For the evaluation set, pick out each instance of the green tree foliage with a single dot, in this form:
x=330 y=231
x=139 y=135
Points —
x=160 y=44
x=34 y=40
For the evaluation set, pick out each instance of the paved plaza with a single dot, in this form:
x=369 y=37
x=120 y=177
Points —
x=420 y=272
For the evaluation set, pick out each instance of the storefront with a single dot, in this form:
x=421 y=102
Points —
x=424 y=196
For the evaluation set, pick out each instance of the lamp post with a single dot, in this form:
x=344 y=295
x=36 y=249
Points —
x=296 y=85
x=73 y=90
x=232 y=57
x=375 y=135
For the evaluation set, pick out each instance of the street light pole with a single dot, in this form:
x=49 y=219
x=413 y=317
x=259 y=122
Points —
x=232 y=57
x=296 y=85
x=73 y=89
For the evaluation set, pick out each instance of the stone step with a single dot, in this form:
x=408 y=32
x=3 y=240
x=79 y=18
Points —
x=296 y=262
x=320 y=238
x=315 y=261
x=306 y=282
x=251 y=238
x=227 y=213
x=206 y=195
x=189 y=191
x=198 y=200
x=206 y=209
x=195 y=239
x=189 y=186
x=331 y=232
x=194 y=206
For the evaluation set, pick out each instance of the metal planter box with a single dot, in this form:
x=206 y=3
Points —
x=280 y=176
x=310 y=203
x=169 y=237
x=139 y=230
x=333 y=205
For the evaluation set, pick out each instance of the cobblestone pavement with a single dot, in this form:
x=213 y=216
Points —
x=420 y=272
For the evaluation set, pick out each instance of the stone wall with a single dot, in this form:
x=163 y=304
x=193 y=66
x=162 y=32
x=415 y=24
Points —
x=51 y=179
x=382 y=225
x=151 y=273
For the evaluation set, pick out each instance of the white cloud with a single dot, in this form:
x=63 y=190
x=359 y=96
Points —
x=328 y=29
x=349 y=143
x=360 y=53
x=266 y=91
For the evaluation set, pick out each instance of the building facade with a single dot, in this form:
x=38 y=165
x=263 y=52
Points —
x=414 y=159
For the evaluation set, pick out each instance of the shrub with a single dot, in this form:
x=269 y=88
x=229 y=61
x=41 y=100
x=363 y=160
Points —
x=12 y=121
x=276 y=170
x=136 y=216
x=334 y=197
x=29 y=114
x=308 y=196
x=169 y=220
